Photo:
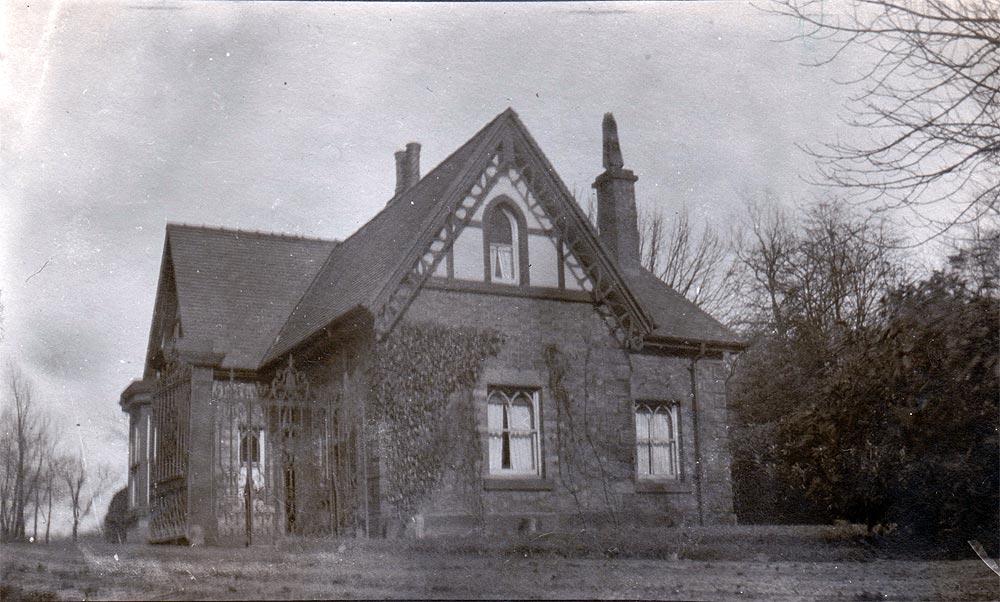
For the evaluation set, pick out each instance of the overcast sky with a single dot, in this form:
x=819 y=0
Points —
x=118 y=118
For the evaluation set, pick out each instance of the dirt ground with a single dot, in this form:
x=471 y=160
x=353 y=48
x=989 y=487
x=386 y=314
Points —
x=386 y=569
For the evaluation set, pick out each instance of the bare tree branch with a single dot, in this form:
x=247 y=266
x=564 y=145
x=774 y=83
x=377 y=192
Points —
x=818 y=275
x=83 y=486
x=928 y=104
x=699 y=265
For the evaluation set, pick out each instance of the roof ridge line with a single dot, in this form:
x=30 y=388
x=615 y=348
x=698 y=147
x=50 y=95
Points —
x=392 y=201
x=549 y=170
x=426 y=176
x=429 y=230
x=266 y=233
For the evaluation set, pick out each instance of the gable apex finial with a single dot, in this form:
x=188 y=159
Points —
x=612 y=148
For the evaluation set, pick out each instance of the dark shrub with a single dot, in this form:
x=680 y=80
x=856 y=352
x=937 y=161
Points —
x=119 y=518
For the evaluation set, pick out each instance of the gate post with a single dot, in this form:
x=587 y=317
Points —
x=202 y=524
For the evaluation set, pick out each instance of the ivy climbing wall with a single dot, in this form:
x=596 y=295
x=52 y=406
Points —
x=588 y=386
x=417 y=402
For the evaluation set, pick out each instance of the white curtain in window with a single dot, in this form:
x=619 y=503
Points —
x=522 y=453
x=661 y=437
x=503 y=262
x=494 y=419
x=262 y=443
x=642 y=440
x=257 y=476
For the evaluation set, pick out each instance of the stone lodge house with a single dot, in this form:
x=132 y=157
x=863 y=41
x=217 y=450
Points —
x=570 y=384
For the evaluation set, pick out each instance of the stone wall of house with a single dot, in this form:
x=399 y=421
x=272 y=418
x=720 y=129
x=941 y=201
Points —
x=589 y=467
x=336 y=377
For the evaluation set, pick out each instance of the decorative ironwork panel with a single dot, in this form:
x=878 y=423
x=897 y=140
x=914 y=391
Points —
x=312 y=468
x=168 y=511
x=245 y=501
x=426 y=264
x=171 y=412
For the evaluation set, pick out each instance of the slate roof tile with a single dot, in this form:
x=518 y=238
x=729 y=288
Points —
x=673 y=315
x=237 y=288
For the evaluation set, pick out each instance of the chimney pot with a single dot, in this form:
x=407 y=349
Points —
x=413 y=162
x=617 y=219
x=400 y=171
x=407 y=167
x=612 y=148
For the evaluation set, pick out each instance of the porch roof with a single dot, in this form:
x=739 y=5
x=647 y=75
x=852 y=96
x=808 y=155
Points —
x=236 y=288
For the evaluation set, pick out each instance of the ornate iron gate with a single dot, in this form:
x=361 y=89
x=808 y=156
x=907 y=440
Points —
x=313 y=456
x=172 y=414
x=285 y=459
x=245 y=502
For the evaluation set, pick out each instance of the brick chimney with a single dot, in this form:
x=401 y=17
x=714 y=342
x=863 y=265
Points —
x=407 y=167
x=617 y=221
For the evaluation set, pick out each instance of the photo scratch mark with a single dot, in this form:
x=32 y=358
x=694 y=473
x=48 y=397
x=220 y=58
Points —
x=601 y=13
x=37 y=271
x=160 y=7
x=981 y=552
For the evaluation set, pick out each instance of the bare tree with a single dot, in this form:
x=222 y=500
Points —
x=82 y=487
x=976 y=257
x=765 y=254
x=929 y=104
x=823 y=272
x=22 y=452
x=45 y=475
x=843 y=266
x=699 y=265
x=53 y=490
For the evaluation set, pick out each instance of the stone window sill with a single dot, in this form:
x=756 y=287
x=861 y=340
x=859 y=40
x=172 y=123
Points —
x=494 y=483
x=664 y=486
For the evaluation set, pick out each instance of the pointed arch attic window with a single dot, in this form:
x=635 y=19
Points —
x=502 y=232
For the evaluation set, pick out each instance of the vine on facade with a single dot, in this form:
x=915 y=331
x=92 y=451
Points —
x=582 y=459
x=417 y=372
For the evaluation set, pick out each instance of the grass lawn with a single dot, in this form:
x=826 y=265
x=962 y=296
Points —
x=731 y=563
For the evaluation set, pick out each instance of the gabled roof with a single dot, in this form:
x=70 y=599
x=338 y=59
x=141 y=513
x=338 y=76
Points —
x=237 y=288
x=361 y=267
x=257 y=296
x=367 y=269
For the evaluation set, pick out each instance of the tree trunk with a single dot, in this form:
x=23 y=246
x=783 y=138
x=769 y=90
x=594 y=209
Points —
x=19 y=493
x=17 y=510
x=4 y=529
x=34 y=533
x=48 y=515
